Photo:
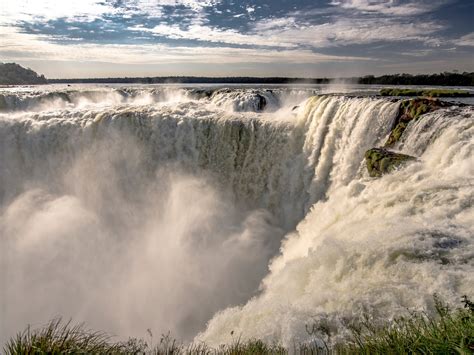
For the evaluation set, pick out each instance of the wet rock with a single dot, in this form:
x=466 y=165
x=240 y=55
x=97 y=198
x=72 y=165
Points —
x=3 y=103
x=201 y=93
x=412 y=110
x=382 y=161
x=261 y=102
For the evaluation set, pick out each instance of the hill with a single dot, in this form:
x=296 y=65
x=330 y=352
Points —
x=15 y=74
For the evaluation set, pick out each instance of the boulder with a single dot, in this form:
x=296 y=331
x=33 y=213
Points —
x=3 y=103
x=382 y=161
x=261 y=102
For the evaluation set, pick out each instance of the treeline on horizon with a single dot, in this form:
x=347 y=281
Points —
x=15 y=74
x=441 y=79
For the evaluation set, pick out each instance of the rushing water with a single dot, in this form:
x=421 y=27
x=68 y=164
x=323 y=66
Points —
x=211 y=212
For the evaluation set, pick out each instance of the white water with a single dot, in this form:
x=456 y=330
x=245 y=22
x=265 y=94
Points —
x=143 y=208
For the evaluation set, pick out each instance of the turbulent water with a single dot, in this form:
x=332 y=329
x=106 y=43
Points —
x=216 y=213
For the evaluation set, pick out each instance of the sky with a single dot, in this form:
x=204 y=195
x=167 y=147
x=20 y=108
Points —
x=300 y=38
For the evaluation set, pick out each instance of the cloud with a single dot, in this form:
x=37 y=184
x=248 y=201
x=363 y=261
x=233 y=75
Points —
x=204 y=33
x=466 y=40
x=391 y=7
x=88 y=10
x=185 y=31
x=21 y=46
x=288 y=33
x=24 y=10
x=275 y=23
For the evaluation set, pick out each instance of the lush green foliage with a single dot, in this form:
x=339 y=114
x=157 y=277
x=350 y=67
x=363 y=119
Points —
x=424 y=92
x=448 y=332
x=380 y=161
x=411 y=110
x=441 y=79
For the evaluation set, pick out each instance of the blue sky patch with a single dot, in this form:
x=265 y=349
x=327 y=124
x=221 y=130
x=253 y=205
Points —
x=316 y=35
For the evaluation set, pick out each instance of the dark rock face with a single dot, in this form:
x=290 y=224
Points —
x=382 y=161
x=412 y=110
x=261 y=103
x=201 y=93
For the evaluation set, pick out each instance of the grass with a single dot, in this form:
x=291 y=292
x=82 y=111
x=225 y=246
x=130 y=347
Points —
x=425 y=92
x=448 y=332
x=60 y=338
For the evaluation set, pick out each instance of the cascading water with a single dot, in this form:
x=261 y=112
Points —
x=137 y=208
x=376 y=247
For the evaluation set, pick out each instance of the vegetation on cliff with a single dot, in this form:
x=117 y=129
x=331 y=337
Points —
x=441 y=79
x=411 y=110
x=382 y=161
x=424 y=92
x=15 y=74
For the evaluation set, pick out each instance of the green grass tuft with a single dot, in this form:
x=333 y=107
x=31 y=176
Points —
x=59 y=338
x=448 y=332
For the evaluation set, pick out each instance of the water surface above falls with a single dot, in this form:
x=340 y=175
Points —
x=156 y=207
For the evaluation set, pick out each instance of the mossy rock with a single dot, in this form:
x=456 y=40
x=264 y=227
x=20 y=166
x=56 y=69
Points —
x=425 y=92
x=411 y=110
x=382 y=161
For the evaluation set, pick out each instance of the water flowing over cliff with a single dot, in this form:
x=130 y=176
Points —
x=165 y=208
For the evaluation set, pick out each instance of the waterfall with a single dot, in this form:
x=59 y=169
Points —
x=373 y=247
x=157 y=208
x=283 y=166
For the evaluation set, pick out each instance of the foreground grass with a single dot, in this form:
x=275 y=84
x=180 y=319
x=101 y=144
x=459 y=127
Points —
x=424 y=92
x=448 y=332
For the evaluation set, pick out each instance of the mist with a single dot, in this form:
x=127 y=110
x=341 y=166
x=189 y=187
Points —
x=128 y=249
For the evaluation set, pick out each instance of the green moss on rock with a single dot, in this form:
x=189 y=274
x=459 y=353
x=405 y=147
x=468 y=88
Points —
x=382 y=161
x=411 y=110
x=425 y=92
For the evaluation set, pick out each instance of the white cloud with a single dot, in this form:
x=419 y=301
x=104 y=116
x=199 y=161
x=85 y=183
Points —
x=24 y=10
x=418 y=53
x=466 y=40
x=391 y=7
x=153 y=8
x=275 y=23
x=17 y=46
x=88 y=10
x=293 y=34
x=211 y=34
x=287 y=33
